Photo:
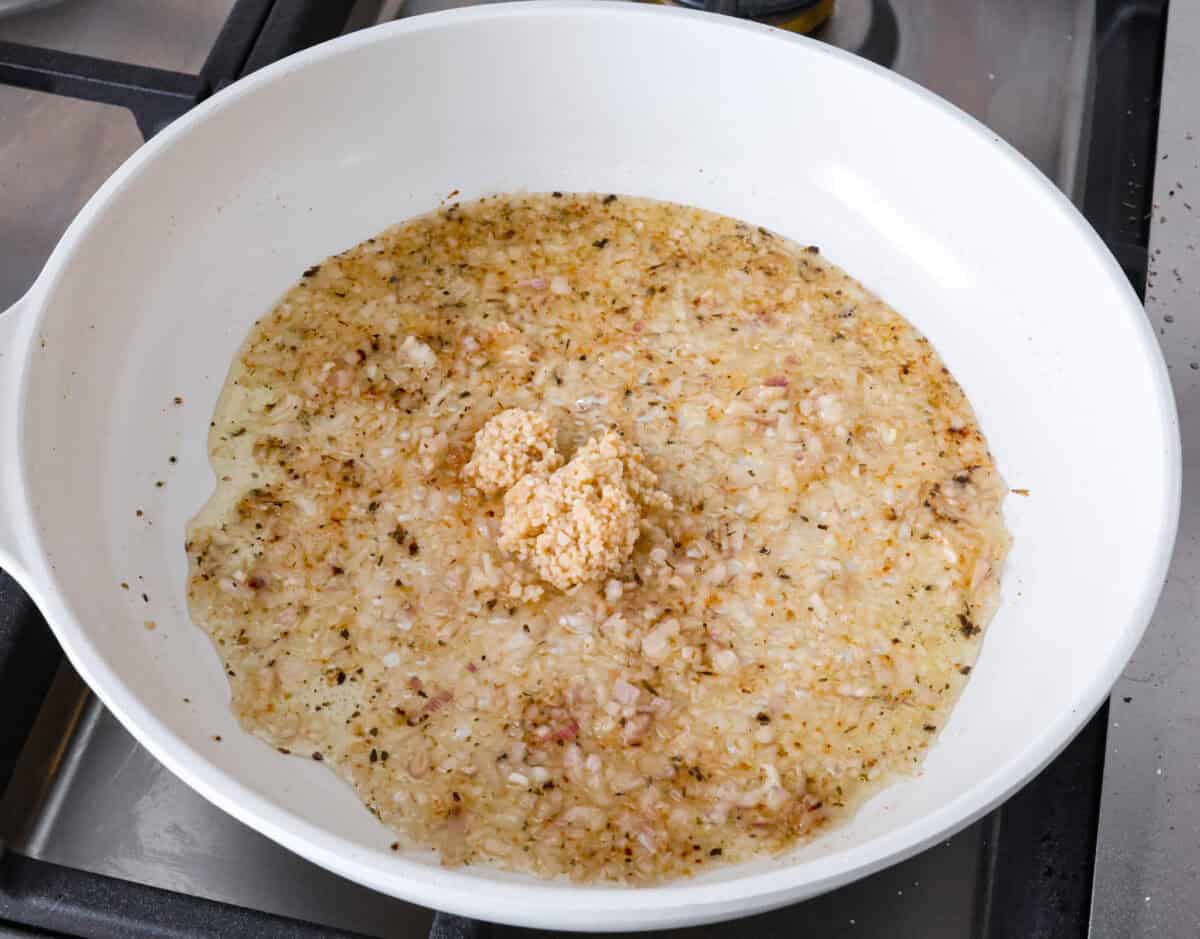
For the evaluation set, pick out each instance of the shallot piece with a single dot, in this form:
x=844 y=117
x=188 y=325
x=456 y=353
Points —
x=625 y=693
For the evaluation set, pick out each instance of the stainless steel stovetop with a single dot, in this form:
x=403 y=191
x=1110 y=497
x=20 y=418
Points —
x=87 y=797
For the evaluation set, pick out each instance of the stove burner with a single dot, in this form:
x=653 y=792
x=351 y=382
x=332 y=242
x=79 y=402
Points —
x=800 y=16
x=868 y=28
x=865 y=27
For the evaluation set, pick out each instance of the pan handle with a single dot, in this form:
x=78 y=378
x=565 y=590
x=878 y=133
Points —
x=15 y=323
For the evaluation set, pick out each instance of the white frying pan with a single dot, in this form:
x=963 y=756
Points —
x=112 y=363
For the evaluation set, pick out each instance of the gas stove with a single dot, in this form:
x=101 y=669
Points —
x=100 y=840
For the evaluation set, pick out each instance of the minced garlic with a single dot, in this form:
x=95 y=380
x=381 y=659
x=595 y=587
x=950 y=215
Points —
x=580 y=522
x=511 y=444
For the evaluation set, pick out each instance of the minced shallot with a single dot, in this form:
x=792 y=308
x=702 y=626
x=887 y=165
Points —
x=751 y=604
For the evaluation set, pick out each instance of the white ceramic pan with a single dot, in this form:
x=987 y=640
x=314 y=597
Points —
x=112 y=363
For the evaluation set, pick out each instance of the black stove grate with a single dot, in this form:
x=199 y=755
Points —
x=1039 y=847
x=256 y=33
